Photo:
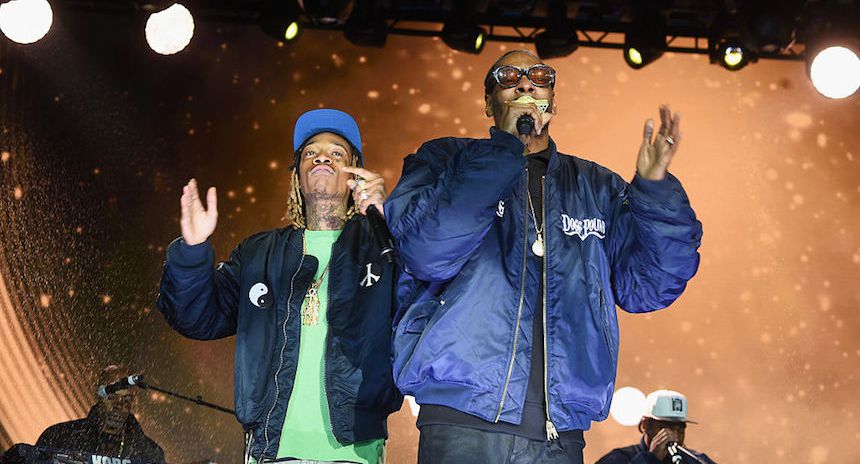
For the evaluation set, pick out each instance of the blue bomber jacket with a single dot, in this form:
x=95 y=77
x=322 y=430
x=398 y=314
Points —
x=461 y=219
x=257 y=295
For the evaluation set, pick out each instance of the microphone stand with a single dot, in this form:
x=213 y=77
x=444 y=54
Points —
x=198 y=400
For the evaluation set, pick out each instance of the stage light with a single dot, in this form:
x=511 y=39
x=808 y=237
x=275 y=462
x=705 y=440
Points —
x=628 y=404
x=645 y=40
x=638 y=55
x=292 y=31
x=559 y=39
x=549 y=45
x=464 y=37
x=280 y=19
x=169 y=31
x=733 y=55
x=730 y=43
x=461 y=31
x=835 y=71
x=26 y=21
x=634 y=58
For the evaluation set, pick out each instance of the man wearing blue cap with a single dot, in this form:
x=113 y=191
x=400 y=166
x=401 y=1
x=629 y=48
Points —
x=310 y=305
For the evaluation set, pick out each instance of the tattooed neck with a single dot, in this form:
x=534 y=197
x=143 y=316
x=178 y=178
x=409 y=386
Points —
x=326 y=211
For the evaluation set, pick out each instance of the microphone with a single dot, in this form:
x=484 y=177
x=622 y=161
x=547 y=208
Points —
x=130 y=381
x=688 y=453
x=525 y=124
x=672 y=448
x=381 y=234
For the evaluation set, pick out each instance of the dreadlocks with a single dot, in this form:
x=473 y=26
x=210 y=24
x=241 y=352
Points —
x=295 y=213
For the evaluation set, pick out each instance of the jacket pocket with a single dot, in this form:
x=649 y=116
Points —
x=607 y=325
x=416 y=318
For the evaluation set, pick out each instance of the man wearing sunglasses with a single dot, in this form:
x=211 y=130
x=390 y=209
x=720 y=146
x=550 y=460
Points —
x=508 y=336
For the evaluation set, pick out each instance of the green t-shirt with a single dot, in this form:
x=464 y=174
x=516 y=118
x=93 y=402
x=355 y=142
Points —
x=307 y=428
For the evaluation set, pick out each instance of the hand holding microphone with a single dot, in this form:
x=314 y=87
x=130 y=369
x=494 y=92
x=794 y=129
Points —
x=368 y=188
x=526 y=117
x=368 y=191
x=674 y=452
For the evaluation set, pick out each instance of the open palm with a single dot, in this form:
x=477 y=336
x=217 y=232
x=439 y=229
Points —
x=655 y=156
x=197 y=222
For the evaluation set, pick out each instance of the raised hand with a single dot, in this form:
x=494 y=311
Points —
x=655 y=156
x=197 y=222
x=368 y=190
x=658 y=445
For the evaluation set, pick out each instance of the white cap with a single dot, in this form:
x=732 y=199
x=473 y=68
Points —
x=666 y=405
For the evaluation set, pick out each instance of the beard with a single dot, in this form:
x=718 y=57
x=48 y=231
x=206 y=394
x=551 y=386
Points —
x=114 y=422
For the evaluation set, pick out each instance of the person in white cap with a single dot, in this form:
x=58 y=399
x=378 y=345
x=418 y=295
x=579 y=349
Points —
x=663 y=428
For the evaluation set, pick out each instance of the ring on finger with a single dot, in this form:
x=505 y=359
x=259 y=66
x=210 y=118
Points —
x=670 y=140
x=363 y=195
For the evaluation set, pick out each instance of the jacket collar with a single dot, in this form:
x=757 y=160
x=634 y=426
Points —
x=552 y=151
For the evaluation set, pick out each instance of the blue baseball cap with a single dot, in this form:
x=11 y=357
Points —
x=313 y=122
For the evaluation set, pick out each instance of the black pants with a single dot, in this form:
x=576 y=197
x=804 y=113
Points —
x=450 y=444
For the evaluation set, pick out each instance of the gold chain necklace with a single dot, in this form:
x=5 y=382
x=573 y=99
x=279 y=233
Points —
x=538 y=247
x=311 y=307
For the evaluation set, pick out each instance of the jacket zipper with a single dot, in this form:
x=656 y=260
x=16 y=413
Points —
x=551 y=432
x=522 y=297
x=325 y=348
x=281 y=361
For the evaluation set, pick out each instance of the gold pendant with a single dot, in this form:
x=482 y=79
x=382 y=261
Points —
x=311 y=308
x=537 y=247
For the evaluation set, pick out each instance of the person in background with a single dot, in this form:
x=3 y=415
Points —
x=663 y=424
x=110 y=428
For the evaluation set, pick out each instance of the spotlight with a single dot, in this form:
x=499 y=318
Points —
x=639 y=54
x=465 y=37
x=549 y=45
x=292 y=31
x=645 y=41
x=327 y=13
x=732 y=54
x=281 y=21
x=559 y=39
x=730 y=42
x=733 y=57
x=170 y=30
x=835 y=69
x=26 y=21
x=461 y=31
